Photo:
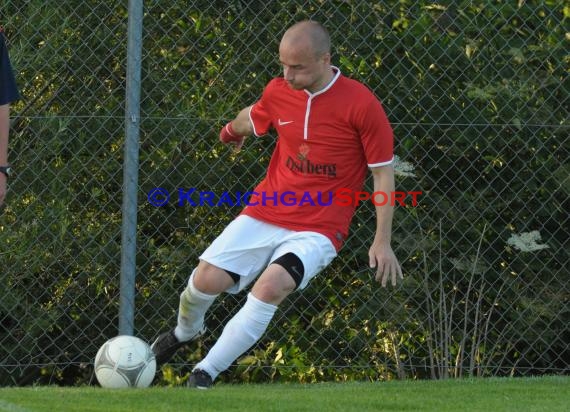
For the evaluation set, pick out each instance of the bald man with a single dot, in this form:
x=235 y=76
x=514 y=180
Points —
x=331 y=130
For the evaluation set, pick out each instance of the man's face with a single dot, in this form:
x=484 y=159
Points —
x=303 y=68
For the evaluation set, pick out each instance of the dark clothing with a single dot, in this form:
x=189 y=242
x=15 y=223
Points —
x=8 y=88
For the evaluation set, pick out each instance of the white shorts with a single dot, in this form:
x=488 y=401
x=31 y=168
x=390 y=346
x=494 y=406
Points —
x=247 y=246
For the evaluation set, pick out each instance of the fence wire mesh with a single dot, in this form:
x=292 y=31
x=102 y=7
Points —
x=477 y=92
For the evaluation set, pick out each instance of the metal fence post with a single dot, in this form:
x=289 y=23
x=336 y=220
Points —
x=130 y=169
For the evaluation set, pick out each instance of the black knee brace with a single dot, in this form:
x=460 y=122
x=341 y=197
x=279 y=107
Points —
x=293 y=265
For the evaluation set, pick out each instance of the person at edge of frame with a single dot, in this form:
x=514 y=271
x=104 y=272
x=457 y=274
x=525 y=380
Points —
x=8 y=94
x=320 y=116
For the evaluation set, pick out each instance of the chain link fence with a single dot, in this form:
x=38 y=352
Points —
x=477 y=92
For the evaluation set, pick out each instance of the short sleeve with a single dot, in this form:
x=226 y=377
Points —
x=259 y=114
x=376 y=135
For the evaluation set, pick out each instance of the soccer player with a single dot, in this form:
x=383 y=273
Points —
x=8 y=94
x=331 y=129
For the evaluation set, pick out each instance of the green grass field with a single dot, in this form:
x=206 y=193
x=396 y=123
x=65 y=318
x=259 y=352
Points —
x=549 y=394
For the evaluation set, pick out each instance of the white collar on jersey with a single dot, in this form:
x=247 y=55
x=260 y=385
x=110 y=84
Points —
x=337 y=74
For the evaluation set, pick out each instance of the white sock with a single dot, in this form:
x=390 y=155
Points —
x=240 y=333
x=191 y=311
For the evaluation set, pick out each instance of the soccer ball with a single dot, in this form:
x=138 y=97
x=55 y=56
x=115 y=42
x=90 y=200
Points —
x=124 y=362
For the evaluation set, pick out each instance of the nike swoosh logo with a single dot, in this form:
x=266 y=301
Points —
x=282 y=123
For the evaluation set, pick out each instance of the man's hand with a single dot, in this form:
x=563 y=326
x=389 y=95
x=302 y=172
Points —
x=384 y=260
x=228 y=135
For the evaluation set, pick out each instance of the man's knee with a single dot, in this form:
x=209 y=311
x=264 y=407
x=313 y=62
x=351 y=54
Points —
x=281 y=277
x=212 y=279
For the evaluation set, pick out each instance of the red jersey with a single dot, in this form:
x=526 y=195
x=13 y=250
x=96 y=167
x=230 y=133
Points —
x=326 y=141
